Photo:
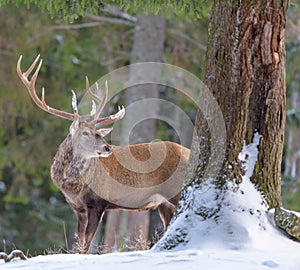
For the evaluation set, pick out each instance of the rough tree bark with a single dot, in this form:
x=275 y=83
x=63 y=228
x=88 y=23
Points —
x=148 y=46
x=245 y=72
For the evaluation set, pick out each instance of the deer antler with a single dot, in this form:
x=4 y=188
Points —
x=30 y=85
x=96 y=97
x=108 y=119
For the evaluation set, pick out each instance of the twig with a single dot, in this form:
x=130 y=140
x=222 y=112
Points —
x=185 y=36
x=81 y=25
x=4 y=245
x=109 y=20
x=113 y=10
x=65 y=27
x=75 y=26
x=65 y=235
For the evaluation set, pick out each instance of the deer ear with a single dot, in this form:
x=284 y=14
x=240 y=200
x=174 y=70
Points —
x=74 y=126
x=104 y=131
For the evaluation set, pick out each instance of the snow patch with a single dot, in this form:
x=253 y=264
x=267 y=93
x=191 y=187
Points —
x=192 y=259
x=249 y=156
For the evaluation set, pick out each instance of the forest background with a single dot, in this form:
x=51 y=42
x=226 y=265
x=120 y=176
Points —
x=33 y=212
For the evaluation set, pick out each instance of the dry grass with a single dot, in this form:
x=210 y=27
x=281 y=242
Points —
x=136 y=243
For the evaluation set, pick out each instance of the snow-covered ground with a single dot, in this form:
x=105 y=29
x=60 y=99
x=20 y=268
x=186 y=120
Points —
x=277 y=253
x=247 y=247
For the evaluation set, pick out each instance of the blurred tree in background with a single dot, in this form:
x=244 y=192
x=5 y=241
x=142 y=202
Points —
x=33 y=213
x=291 y=156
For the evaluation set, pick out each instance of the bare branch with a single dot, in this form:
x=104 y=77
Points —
x=109 y=20
x=185 y=36
x=14 y=254
x=75 y=26
x=114 y=11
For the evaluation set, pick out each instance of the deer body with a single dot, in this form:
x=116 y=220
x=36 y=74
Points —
x=95 y=177
x=93 y=185
x=74 y=175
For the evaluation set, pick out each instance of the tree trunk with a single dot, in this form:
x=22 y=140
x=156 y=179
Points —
x=245 y=72
x=148 y=46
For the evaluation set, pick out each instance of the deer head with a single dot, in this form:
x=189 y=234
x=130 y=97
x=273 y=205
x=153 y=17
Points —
x=87 y=137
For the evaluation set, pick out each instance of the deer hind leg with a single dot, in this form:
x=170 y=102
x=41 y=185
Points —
x=166 y=211
x=94 y=217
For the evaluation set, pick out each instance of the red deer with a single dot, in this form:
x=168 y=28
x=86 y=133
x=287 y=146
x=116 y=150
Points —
x=95 y=176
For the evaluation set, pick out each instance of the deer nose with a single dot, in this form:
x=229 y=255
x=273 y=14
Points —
x=107 y=149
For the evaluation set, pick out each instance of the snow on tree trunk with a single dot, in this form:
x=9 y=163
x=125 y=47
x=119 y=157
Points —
x=245 y=71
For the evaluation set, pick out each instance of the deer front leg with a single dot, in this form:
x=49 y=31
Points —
x=82 y=219
x=94 y=216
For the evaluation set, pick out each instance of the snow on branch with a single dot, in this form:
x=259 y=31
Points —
x=14 y=254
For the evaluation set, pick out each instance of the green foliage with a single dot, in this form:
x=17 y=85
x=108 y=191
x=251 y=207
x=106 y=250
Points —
x=291 y=194
x=45 y=228
x=73 y=9
x=69 y=10
x=195 y=9
x=295 y=4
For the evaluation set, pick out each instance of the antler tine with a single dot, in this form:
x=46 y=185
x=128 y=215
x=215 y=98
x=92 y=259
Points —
x=101 y=102
x=24 y=76
x=30 y=85
x=27 y=73
x=112 y=118
x=74 y=104
x=108 y=119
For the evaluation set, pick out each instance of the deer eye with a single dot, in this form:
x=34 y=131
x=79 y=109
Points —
x=97 y=135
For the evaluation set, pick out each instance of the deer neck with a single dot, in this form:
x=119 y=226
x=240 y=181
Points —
x=78 y=166
x=68 y=167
